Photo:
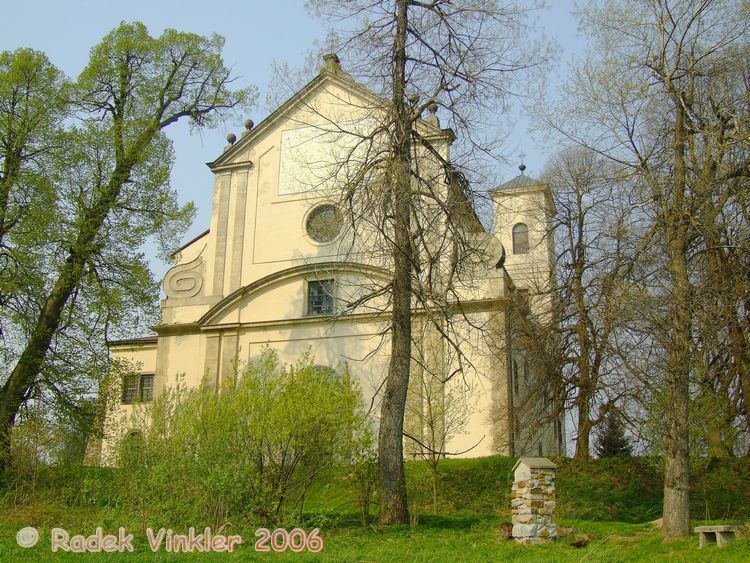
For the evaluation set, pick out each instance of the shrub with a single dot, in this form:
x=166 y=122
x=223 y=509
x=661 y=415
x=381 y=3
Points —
x=249 y=451
x=46 y=447
x=364 y=474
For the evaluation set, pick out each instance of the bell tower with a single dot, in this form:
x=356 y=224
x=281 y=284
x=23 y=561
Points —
x=522 y=221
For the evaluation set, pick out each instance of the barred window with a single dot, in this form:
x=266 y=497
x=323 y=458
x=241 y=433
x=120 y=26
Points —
x=320 y=297
x=130 y=389
x=147 y=388
x=138 y=388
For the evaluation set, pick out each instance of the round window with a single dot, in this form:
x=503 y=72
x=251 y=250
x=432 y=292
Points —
x=323 y=223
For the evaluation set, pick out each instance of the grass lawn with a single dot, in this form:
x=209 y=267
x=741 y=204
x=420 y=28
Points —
x=447 y=538
x=604 y=502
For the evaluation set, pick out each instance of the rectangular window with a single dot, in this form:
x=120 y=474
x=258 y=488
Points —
x=138 y=388
x=147 y=388
x=320 y=297
x=130 y=389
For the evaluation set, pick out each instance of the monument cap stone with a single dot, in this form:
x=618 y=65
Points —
x=524 y=467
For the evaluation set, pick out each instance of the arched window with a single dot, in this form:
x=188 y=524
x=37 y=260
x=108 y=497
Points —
x=520 y=239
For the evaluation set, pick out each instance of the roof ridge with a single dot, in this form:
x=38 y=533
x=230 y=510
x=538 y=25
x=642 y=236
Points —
x=520 y=181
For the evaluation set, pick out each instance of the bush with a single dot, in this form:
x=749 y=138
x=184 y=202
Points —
x=46 y=447
x=247 y=453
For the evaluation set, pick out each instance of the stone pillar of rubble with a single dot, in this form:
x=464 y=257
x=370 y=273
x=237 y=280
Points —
x=533 y=500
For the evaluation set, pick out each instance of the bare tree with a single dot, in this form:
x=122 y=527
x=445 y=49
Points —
x=591 y=263
x=659 y=96
x=436 y=412
x=458 y=57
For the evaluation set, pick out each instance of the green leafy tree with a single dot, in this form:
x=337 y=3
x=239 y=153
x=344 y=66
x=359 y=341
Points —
x=32 y=106
x=108 y=192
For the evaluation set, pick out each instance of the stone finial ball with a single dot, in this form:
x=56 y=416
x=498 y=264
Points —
x=432 y=107
x=333 y=57
x=249 y=124
x=231 y=138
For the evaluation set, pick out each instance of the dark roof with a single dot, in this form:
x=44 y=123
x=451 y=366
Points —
x=138 y=340
x=520 y=181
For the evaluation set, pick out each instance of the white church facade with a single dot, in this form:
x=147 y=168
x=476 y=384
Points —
x=286 y=265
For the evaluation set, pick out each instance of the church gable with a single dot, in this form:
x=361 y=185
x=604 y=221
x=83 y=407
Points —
x=276 y=187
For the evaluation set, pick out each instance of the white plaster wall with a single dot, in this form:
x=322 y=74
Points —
x=121 y=418
x=256 y=232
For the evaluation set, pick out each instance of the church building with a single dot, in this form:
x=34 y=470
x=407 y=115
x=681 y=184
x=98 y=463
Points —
x=294 y=260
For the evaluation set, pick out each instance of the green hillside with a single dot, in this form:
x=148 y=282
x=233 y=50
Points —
x=604 y=507
x=612 y=489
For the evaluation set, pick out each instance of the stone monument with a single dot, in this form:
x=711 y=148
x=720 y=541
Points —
x=533 y=500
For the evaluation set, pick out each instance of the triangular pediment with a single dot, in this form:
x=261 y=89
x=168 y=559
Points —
x=287 y=115
x=323 y=102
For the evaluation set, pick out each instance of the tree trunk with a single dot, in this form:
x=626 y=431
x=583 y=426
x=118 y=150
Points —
x=393 y=501
x=21 y=380
x=676 y=511
x=434 y=485
x=583 y=438
x=17 y=388
x=719 y=447
x=586 y=383
x=742 y=355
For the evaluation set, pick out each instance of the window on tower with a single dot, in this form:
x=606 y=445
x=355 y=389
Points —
x=520 y=239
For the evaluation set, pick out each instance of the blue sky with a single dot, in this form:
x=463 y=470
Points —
x=257 y=33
